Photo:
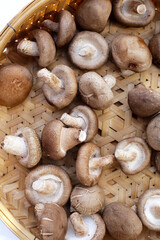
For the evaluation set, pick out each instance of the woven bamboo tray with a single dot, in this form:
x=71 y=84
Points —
x=115 y=124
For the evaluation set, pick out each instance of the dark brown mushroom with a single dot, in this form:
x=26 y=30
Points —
x=153 y=133
x=157 y=161
x=154 y=46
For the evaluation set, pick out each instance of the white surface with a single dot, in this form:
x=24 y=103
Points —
x=5 y=233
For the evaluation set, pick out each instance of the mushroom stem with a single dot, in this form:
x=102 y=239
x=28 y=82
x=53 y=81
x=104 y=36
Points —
x=100 y=161
x=110 y=80
x=79 y=226
x=54 y=26
x=28 y=47
x=141 y=9
x=50 y=79
x=39 y=208
x=44 y=186
x=125 y=156
x=87 y=51
x=75 y=122
x=15 y=145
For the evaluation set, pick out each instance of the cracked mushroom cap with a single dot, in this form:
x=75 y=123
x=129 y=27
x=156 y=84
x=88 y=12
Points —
x=93 y=14
x=89 y=164
x=121 y=221
x=47 y=184
x=154 y=46
x=15 y=84
x=95 y=91
x=149 y=209
x=144 y=102
x=83 y=227
x=137 y=13
x=88 y=50
x=87 y=200
x=153 y=133
x=52 y=221
x=131 y=53
x=67 y=93
x=133 y=155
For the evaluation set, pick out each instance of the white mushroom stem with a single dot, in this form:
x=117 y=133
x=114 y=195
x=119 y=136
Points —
x=28 y=47
x=39 y=208
x=15 y=145
x=79 y=226
x=125 y=156
x=71 y=121
x=95 y=163
x=87 y=51
x=50 y=79
x=110 y=80
x=44 y=186
x=141 y=9
x=126 y=72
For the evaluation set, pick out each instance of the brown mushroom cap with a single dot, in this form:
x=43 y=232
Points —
x=46 y=46
x=133 y=155
x=157 y=161
x=52 y=220
x=131 y=53
x=15 y=84
x=47 y=184
x=94 y=91
x=87 y=200
x=149 y=209
x=88 y=50
x=125 y=11
x=153 y=133
x=121 y=221
x=93 y=14
x=154 y=46
x=66 y=95
x=144 y=102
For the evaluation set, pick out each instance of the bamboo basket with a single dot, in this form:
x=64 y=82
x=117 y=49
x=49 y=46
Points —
x=115 y=124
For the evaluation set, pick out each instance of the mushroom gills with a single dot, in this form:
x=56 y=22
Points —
x=152 y=209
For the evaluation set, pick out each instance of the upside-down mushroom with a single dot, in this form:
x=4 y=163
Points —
x=87 y=200
x=88 y=50
x=65 y=27
x=84 y=118
x=96 y=90
x=89 y=164
x=133 y=155
x=52 y=221
x=44 y=47
x=57 y=139
x=83 y=227
x=47 y=184
x=25 y=145
x=154 y=46
x=60 y=85
x=153 y=133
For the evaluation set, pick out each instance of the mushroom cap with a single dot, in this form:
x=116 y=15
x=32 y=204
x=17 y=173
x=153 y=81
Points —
x=153 y=133
x=157 y=161
x=66 y=95
x=93 y=14
x=15 y=84
x=121 y=221
x=131 y=53
x=87 y=200
x=149 y=209
x=94 y=91
x=154 y=46
x=90 y=119
x=52 y=222
x=33 y=147
x=140 y=148
x=46 y=46
x=95 y=225
x=98 y=45
x=85 y=175
x=125 y=12
x=144 y=102
x=53 y=173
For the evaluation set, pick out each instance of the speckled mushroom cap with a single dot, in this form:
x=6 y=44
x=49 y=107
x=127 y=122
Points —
x=15 y=84
x=87 y=200
x=121 y=221
x=47 y=184
x=131 y=53
x=154 y=46
x=88 y=50
x=93 y=14
x=64 y=97
x=133 y=155
x=149 y=209
x=125 y=11
x=153 y=133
